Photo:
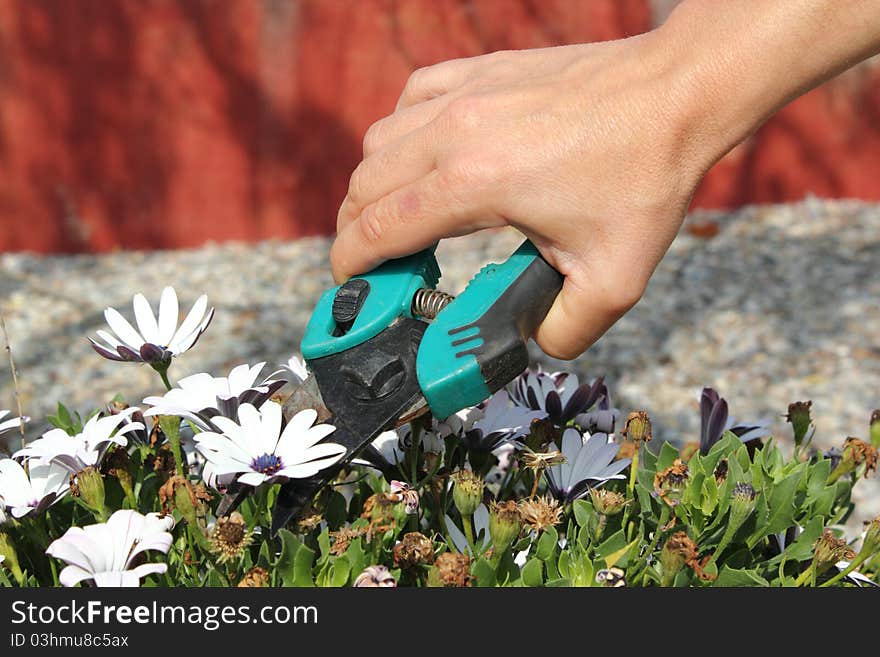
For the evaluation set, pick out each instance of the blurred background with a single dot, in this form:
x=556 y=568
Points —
x=147 y=124
x=207 y=144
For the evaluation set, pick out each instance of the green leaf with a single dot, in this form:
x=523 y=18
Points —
x=533 y=573
x=667 y=456
x=302 y=567
x=286 y=564
x=337 y=510
x=563 y=564
x=559 y=582
x=339 y=572
x=612 y=544
x=583 y=512
x=735 y=577
x=801 y=549
x=485 y=573
x=547 y=544
x=781 y=505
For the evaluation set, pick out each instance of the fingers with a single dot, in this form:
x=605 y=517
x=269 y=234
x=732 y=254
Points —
x=405 y=161
x=582 y=313
x=402 y=122
x=407 y=220
x=433 y=81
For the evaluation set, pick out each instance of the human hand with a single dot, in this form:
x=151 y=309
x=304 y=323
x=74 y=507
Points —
x=592 y=151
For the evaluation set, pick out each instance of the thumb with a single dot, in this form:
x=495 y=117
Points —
x=580 y=315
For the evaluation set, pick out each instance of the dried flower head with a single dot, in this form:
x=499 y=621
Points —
x=539 y=513
x=680 y=550
x=343 y=537
x=450 y=570
x=230 y=537
x=828 y=550
x=637 y=427
x=504 y=524
x=857 y=452
x=539 y=460
x=669 y=484
x=607 y=502
x=255 y=578
x=309 y=520
x=375 y=577
x=162 y=462
x=406 y=494
x=414 y=549
x=187 y=498
x=379 y=508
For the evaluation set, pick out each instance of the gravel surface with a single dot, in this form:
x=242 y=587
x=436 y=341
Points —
x=780 y=305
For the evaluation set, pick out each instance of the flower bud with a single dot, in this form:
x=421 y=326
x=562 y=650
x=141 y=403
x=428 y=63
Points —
x=799 y=418
x=414 y=549
x=450 y=570
x=637 y=427
x=467 y=492
x=871 y=544
x=742 y=503
x=88 y=486
x=607 y=502
x=375 y=576
x=828 y=550
x=504 y=524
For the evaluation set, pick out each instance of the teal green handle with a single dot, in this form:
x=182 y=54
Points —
x=478 y=343
x=391 y=289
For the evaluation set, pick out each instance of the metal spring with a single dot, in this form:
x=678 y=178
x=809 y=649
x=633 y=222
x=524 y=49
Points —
x=428 y=303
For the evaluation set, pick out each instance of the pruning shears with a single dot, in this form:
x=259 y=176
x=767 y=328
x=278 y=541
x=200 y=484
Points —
x=386 y=347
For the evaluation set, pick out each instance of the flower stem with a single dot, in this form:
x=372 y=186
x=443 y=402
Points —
x=538 y=472
x=600 y=527
x=860 y=558
x=804 y=576
x=469 y=532
x=664 y=518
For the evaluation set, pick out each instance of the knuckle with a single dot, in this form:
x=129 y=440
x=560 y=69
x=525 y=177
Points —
x=356 y=185
x=464 y=111
x=416 y=81
x=373 y=227
x=622 y=293
x=373 y=137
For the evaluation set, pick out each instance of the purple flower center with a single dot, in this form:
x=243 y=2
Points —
x=267 y=464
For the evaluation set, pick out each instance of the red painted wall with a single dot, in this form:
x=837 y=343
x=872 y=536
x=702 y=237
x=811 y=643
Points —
x=169 y=123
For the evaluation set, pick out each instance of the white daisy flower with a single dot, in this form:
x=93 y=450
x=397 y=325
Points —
x=105 y=552
x=258 y=450
x=85 y=448
x=201 y=397
x=11 y=423
x=157 y=339
x=23 y=492
x=589 y=462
